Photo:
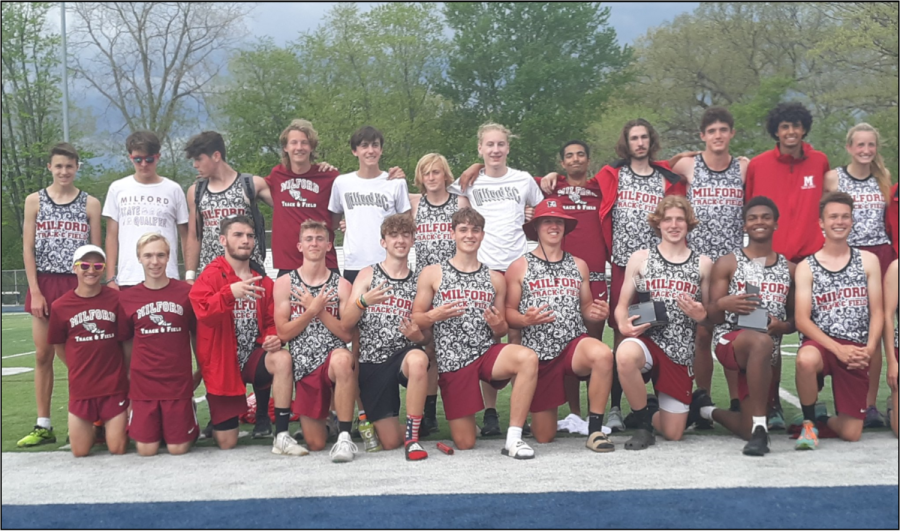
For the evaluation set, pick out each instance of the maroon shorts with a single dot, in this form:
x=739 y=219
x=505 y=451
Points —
x=615 y=290
x=224 y=408
x=550 y=392
x=849 y=387
x=667 y=376
x=101 y=408
x=248 y=373
x=154 y=420
x=725 y=355
x=600 y=290
x=461 y=390
x=885 y=254
x=52 y=286
x=314 y=392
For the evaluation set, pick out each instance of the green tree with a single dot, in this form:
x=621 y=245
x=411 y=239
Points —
x=541 y=69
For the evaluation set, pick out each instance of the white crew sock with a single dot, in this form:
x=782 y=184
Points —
x=44 y=422
x=513 y=435
x=707 y=411
x=759 y=421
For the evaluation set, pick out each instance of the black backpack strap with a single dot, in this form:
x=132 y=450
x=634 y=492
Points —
x=199 y=189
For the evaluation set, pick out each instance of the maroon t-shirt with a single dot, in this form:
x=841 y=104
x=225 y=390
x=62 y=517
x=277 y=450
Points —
x=162 y=321
x=583 y=204
x=297 y=198
x=92 y=330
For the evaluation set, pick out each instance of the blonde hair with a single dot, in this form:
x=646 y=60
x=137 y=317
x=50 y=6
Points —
x=305 y=127
x=149 y=238
x=491 y=126
x=427 y=163
x=672 y=201
x=314 y=224
x=878 y=168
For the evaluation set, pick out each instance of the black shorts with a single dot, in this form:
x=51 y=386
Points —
x=379 y=385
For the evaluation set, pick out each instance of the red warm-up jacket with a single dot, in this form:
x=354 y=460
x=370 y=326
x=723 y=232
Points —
x=796 y=186
x=217 y=346
x=608 y=178
x=891 y=215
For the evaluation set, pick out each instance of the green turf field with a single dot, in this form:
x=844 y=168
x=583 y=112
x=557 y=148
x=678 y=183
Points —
x=19 y=406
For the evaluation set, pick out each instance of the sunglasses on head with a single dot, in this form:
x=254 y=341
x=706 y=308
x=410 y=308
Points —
x=149 y=159
x=86 y=266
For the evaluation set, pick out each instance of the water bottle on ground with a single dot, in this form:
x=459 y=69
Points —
x=367 y=432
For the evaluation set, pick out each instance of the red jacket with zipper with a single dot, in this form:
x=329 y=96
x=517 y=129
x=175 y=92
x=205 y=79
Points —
x=217 y=346
x=796 y=186
x=608 y=178
x=891 y=215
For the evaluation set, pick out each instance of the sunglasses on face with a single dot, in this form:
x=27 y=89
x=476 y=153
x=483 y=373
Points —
x=149 y=159
x=86 y=266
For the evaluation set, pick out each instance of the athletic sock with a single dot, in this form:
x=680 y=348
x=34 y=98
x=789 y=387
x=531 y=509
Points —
x=735 y=404
x=430 y=406
x=412 y=427
x=707 y=411
x=645 y=420
x=809 y=412
x=262 y=399
x=44 y=422
x=282 y=418
x=512 y=435
x=345 y=426
x=595 y=422
x=759 y=422
x=616 y=393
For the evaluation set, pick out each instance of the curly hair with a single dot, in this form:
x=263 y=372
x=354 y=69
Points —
x=672 y=201
x=792 y=113
x=399 y=224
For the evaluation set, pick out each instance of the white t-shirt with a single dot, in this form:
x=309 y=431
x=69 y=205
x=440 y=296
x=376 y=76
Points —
x=365 y=203
x=502 y=201
x=139 y=209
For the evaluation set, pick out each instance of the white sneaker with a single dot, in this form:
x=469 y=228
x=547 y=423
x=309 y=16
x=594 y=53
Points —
x=343 y=449
x=519 y=450
x=284 y=444
x=614 y=420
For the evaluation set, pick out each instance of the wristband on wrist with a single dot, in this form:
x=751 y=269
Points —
x=362 y=302
x=111 y=279
x=359 y=305
x=190 y=275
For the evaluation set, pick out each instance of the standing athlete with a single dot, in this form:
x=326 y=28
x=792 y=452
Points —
x=678 y=277
x=550 y=300
x=751 y=354
x=162 y=382
x=237 y=342
x=461 y=301
x=891 y=345
x=432 y=211
x=869 y=183
x=307 y=315
x=58 y=220
x=390 y=344
x=839 y=312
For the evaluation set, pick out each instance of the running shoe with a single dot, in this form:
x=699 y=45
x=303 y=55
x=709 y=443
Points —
x=263 y=427
x=37 y=437
x=758 y=445
x=809 y=437
x=874 y=419
x=614 y=420
x=699 y=399
x=284 y=444
x=429 y=425
x=344 y=449
x=490 y=424
x=775 y=420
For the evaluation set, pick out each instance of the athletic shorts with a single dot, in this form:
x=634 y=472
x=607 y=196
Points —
x=313 y=398
x=725 y=355
x=250 y=373
x=154 y=420
x=615 y=290
x=224 y=408
x=461 y=390
x=101 y=408
x=850 y=387
x=550 y=392
x=52 y=286
x=885 y=254
x=667 y=376
x=379 y=385
x=600 y=290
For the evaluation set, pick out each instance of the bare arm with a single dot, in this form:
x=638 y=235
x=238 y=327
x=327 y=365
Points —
x=592 y=311
x=39 y=306
x=262 y=190
x=722 y=273
x=890 y=309
x=192 y=249
x=112 y=250
x=94 y=216
x=626 y=326
x=183 y=236
x=495 y=315
x=414 y=204
x=831 y=181
x=286 y=327
x=876 y=302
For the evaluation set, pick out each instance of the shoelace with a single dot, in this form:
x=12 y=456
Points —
x=808 y=432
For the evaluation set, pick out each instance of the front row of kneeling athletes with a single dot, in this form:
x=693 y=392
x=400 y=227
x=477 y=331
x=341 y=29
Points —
x=464 y=308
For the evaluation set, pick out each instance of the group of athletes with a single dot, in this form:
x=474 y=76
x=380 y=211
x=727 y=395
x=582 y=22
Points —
x=321 y=343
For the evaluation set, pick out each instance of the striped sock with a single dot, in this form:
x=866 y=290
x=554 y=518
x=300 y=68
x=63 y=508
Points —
x=412 y=427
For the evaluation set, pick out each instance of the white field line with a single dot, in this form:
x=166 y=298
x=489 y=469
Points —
x=789 y=398
x=18 y=355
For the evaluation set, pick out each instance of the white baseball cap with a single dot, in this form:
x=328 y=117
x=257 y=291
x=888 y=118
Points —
x=85 y=250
